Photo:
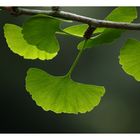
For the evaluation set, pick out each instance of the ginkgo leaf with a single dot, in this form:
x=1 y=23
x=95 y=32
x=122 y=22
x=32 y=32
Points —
x=130 y=58
x=79 y=30
x=40 y=31
x=108 y=35
x=76 y=30
x=19 y=46
x=61 y=94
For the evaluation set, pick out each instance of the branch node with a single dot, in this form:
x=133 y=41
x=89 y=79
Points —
x=89 y=31
x=56 y=8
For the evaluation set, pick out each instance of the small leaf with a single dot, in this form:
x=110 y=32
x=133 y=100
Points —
x=121 y=14
x=19 y=46
x=76 y=30
x=61 y=94
x=79 y=30
x=130 y=58
x=40 y=31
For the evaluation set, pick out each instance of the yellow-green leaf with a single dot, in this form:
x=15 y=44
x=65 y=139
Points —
x=130 y=58
x=18 y=45
x=40 y=31
x=61 y=94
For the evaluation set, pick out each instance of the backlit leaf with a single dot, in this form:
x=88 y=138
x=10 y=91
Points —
x=76 y=30
x=40 y=31
x=19 y=46
x=61 y=94
x=130 y=58
x=79 y=30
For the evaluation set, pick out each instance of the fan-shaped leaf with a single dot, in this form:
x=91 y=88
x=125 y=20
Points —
x=40 y=31
x=121 y=14
x=76 y=30
x=19 y=46
x=130 y=58
x=61 y=94
x=79 y=30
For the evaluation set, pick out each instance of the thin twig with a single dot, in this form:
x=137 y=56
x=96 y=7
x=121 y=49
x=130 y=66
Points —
x=79 y=18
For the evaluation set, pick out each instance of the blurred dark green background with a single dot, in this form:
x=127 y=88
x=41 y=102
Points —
x=119 y=109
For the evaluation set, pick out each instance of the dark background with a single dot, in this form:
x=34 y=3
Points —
x=119 y=109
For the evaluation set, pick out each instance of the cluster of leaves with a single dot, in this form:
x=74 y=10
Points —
x=36 y=39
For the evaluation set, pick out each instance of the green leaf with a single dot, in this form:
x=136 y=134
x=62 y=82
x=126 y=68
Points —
x=130 y=58
x=61 y=94
x=19 y=46
x=76 y=30
x=40 y=31
x=121 y=14
x=79 y=30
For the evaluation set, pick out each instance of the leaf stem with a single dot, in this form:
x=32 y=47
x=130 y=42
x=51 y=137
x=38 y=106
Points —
x=76 y=59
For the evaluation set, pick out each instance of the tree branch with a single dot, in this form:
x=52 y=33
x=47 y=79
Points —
x=79 y=18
